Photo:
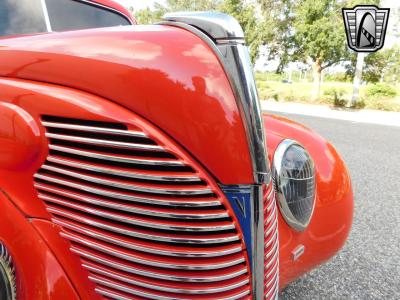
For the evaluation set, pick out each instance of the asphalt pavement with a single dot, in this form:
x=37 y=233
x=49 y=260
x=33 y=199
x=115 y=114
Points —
x=368 y=267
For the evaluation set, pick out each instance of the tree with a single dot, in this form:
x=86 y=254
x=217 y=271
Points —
x=383 y=65
x=245 y=13
x=276 y=33
x=319 y=36
x=151 y=16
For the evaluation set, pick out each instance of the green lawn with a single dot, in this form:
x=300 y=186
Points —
x=332 y=93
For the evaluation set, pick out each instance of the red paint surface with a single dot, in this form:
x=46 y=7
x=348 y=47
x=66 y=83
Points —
x=44 y=99
x=164 y=74
x=172 y=80
x=39 y=274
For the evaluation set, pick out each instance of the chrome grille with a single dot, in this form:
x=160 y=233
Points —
x=144 y=222
x=271 y=246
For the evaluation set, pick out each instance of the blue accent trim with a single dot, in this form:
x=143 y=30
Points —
x=240 y=200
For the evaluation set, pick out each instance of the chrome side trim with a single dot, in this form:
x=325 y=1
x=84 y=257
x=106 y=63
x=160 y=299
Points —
x=126 y=197
x=94 y=129
x=128 y=174
x=116 y=158
x=99 y=142
x=128 y=186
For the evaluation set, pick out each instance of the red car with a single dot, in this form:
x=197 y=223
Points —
x=136 y=163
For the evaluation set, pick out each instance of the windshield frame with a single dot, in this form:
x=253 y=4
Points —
x=97 y=4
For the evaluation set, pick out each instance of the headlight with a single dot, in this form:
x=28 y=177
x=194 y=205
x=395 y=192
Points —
x=294 y=179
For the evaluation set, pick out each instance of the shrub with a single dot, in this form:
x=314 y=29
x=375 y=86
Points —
x=337 y=95
x=360 y=104
x=381 y=89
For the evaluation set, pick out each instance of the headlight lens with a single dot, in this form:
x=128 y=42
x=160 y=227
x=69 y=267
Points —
x=294 y=179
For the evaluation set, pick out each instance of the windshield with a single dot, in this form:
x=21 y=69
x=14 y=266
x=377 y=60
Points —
x=21 y=17
x=28 y=16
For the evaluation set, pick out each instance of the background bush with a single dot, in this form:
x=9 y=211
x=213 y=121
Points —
x=381 y=89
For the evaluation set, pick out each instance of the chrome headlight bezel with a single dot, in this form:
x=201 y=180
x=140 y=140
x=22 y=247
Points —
x=278 y=170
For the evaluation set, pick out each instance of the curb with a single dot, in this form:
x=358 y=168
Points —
x=321 y=111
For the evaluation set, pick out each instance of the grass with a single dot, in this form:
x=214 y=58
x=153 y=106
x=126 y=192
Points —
x=332 y=93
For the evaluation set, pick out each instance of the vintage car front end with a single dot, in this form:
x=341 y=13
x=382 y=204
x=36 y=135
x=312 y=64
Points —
x=137 y=159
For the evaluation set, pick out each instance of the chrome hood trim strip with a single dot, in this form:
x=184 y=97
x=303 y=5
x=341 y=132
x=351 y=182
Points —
x=224 y=35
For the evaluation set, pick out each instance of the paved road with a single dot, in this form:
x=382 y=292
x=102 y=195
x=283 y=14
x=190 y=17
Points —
x=368 y=267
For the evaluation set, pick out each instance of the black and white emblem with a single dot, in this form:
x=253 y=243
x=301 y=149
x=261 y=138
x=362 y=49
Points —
x=365 y=27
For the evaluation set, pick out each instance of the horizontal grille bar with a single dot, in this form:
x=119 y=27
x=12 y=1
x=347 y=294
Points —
x=127 y=186
x=145 y=246
x=94 y=129
x=152 y=296
x=168 y=238
x=127 y=197
x=163 y=213
x=99 y=142
x=159 y=264
x=117 y=158
x=204 y=290
x=101 y=261
x=116 y=172
x=137 y=221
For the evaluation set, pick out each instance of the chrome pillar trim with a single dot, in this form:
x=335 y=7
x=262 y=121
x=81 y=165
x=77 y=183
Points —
x=46 y=15
x=8 y=287
x=224 y=35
